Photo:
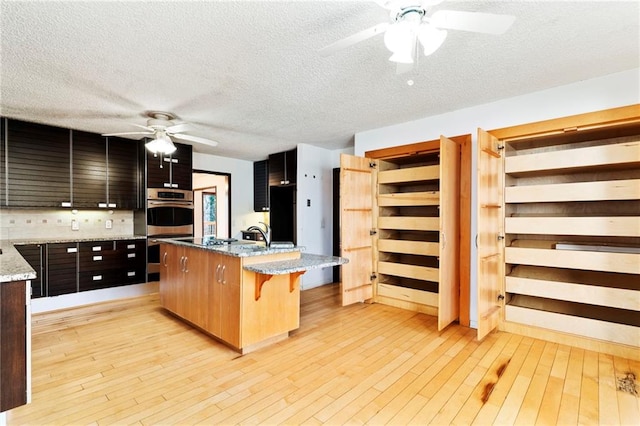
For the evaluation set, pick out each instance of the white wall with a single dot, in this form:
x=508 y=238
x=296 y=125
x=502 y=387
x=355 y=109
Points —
x=315 y=222
x=242 y=214
x=614 y=90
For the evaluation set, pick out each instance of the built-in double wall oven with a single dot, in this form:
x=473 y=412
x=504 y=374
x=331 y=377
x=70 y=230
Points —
x=169 y=215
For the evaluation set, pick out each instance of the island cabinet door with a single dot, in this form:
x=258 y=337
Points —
x=193 y=288
x=224 y=299
x=230 y=301
x=170 y=274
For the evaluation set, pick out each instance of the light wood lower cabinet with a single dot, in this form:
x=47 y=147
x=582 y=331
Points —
x=213 y=292
x=559 y=230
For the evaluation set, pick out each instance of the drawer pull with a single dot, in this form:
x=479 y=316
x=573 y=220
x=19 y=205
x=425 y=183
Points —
x=97 y=277
x=102 y=205
x=72 y=250
x=112 y=205
x=97 y=258
x=131 y=255
x=131 y=246
x=131 y=274
x=66 y=204
x=96 y=248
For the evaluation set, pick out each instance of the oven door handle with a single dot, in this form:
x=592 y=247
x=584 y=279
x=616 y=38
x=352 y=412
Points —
x=187 y=204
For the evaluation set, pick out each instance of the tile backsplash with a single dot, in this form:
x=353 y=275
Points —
x=57 y=223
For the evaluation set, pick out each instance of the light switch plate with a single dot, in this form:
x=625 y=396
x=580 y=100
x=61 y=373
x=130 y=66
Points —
x=75 y=225
x=108 y=223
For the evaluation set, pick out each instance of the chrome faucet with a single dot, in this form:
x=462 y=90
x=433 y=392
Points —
x=266 y=234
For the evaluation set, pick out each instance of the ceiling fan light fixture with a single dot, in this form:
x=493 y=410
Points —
x=431 y=38
x=400 y=39
x=162 y=143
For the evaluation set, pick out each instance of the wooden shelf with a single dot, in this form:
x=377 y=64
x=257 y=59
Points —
x=595 y=226
x=427 y=198
x=408 y=175
x=409 y=223
x=409 y=271
x=573 y=292
x=628 y=189
x=622 y=154
x=409 y=247
x=587 y=327
x=591 y=261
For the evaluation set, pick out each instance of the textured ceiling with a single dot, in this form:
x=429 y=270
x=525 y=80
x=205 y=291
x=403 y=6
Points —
x=248 y=73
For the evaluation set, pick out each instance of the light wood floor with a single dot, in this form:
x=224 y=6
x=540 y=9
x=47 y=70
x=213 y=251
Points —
x=129 y=362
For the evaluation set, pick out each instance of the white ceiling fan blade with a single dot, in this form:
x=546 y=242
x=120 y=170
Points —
x=149 y=129
x=488 y=23
x=180 y=127
x=353 y=39
x=127 y=133
x=195 y=139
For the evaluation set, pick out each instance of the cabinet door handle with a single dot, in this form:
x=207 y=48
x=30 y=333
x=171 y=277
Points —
x=224 y=273
x=131 y=246
x=181 y=263
x=444 y=241
x=96 y=258
x=218 y=273
x=72 y=250
x=131 y=255
x=186 y=264
x=164 y=259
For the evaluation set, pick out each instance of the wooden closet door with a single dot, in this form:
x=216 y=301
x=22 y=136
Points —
x=356 y=218
x=490 y=242
x=449 y=280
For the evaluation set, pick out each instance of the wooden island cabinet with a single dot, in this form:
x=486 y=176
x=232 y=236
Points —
x=212 y=291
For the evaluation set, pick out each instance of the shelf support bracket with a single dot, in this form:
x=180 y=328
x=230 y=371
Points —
x=260 y=280
x=293 y=278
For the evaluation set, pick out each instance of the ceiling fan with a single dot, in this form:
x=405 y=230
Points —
x=410 y=25
x=162 y=127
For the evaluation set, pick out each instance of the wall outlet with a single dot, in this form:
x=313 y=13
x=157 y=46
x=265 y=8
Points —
x=75 y=225
x=108 y=223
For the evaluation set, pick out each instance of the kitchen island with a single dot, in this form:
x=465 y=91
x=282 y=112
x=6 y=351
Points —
x=244 y=295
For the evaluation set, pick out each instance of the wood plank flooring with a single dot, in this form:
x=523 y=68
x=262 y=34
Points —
x=130 y=362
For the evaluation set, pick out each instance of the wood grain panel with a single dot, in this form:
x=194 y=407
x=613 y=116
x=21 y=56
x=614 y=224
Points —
x=13 y=345
x=587 y=260
x=409 y=247
x=409 y=223
x=574 y=292
x=595 y=226
x=409 y=174
x=596 y=329
x=409 y=271
x=627 y=154
x=428 y=198
x=626 y=189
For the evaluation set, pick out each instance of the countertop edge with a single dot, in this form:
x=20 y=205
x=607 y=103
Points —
x=306 y=262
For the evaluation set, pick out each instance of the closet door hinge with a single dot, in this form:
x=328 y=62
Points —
x=373 y=276
x=372 y=165
x=372 y=232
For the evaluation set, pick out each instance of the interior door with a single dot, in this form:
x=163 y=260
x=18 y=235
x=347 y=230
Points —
x=490 y=242
x=356 y=219
x=449 y=284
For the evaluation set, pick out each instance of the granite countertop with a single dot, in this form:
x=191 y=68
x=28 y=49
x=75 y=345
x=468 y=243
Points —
x=13 y=267
x=304 y=263
x=76 y=240
x=236 y=249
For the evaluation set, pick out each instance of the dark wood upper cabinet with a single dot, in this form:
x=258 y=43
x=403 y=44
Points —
x=261 y=186
x=49 y=166
x=283 y=168
x=38 y=165
x=124 y=183
x=89 y=166
x=171 y=171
